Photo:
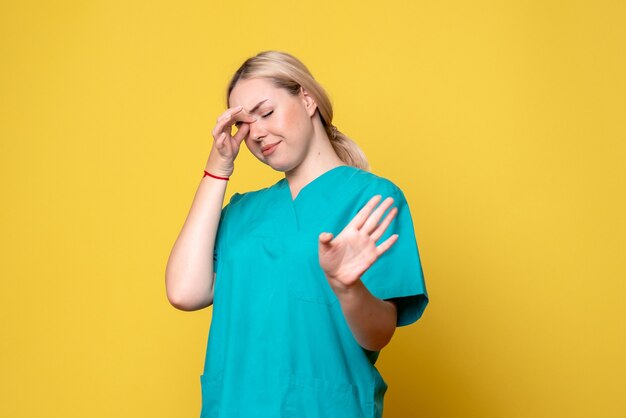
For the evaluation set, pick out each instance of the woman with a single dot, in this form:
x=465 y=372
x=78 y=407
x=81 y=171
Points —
x=309 y=277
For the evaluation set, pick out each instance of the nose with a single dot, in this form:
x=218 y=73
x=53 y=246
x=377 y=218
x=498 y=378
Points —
x=257 y=131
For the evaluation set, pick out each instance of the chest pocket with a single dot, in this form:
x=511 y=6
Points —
x=304 y=276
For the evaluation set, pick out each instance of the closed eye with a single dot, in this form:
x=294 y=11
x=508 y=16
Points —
x=267 y=114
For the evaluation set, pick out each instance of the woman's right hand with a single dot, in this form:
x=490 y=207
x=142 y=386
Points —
x=225 y=145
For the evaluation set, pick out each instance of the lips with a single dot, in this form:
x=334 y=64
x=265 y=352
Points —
x=268 y=149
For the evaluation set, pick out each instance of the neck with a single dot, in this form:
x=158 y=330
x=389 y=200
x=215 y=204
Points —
x=320 y=158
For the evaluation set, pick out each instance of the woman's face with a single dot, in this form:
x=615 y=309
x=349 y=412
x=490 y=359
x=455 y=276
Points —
x=283 y=131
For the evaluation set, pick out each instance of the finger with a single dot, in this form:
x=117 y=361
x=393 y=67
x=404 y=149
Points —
x=382 y=248
x=360 y=218
x=244 y=117
x=384 y=224
x=241 y=133
x=228 y=113
x=227 y=124
x=228 y=118
x=325 y=237
x=219 y=141
x=374 y=218
x=224 y=121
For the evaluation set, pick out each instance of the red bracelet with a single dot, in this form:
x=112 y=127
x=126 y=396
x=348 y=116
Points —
x=206 y=173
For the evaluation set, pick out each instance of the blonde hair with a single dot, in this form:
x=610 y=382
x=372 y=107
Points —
x=287 y=72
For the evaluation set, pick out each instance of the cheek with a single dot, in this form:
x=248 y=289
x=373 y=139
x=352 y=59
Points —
x=255 y=150
x=293 y=120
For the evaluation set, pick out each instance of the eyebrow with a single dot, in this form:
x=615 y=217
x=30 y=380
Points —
x=256 y=106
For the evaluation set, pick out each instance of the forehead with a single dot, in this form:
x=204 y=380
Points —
x=251 y=91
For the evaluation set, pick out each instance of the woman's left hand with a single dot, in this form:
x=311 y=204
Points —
x=346 y=257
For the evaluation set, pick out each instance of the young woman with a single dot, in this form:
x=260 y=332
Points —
x=310 y=276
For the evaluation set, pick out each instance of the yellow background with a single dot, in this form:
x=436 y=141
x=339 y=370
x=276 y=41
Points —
x=503 y=122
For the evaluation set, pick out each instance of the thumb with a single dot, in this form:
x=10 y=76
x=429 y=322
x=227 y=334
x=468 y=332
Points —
x=325 y=238
x=241 y=134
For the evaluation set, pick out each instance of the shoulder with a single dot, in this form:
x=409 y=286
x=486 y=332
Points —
x=371 y=184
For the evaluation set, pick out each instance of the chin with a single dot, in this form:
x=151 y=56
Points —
x=279 y=167
x=278 y=164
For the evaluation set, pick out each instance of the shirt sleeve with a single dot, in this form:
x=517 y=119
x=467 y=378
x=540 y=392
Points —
x=397 y=274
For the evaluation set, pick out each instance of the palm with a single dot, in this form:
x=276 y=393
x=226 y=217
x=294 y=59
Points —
x=345 y=258
x=231 y=147
x=350 y=255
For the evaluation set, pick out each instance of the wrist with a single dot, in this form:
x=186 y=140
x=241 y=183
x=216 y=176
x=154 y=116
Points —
x=219 y=170
x=215 y=165
x=207 y=174
x=347 y=293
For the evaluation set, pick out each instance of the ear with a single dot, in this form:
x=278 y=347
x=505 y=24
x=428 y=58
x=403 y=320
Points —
x=309 y=102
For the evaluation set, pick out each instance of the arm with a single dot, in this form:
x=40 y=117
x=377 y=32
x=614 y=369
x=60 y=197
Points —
x=371 y=320
x=345 y=258
x=189 y=275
